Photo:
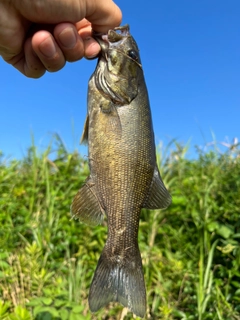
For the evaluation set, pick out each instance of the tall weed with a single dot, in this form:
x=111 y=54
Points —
x=190 y=251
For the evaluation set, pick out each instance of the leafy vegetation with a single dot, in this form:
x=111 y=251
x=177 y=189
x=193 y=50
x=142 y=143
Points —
x=190 y=251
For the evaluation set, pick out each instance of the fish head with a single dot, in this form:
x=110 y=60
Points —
x=119 y=66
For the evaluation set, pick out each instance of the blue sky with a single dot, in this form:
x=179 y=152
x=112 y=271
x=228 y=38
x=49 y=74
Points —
x=190 y=52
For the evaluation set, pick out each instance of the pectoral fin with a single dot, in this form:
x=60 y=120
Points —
x=115 y=122
x=111 y=117
x=84 y=138
x=158 y=196
x=85 y=205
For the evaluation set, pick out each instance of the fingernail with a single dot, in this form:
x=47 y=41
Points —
x=47 y=48
x=68 y=38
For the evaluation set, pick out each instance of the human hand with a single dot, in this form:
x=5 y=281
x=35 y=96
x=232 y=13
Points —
x=41 y=35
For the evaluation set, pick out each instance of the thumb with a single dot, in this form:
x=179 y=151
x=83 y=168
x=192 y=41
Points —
x=103 y=14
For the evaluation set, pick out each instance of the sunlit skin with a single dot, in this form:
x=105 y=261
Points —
x=36 y=36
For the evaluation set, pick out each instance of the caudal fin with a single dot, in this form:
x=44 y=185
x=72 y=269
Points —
x=119 y=280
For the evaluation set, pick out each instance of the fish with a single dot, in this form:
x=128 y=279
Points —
x=124 y=176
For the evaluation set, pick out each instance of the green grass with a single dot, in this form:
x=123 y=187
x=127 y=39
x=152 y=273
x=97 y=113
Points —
x=190 y=251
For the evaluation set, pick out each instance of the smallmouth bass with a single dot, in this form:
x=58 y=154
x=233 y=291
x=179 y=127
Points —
x=124 y=177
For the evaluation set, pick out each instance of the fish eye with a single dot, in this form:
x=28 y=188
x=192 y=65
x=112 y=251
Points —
x=133 y=54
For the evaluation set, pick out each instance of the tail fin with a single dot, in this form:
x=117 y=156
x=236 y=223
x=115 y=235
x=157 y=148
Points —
x=121 y=280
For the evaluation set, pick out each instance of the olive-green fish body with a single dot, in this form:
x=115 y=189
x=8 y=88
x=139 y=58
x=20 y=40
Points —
x=124 y=177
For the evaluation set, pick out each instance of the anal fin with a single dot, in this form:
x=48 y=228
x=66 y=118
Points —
x=158 y=196
x=85 y=205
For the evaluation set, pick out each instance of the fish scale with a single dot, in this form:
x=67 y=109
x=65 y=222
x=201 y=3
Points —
x=124 y=177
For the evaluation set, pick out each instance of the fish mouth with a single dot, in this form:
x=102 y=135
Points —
x=112 y=38
x=118 y=33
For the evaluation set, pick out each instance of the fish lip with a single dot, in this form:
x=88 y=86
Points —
x=115 y=36
x=112 y=38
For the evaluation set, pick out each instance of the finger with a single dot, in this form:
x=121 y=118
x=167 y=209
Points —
x=69 y=41
x=48 y=51
x=33 y=67
x=103 y=15
x=27 y=62
x=91 y=46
